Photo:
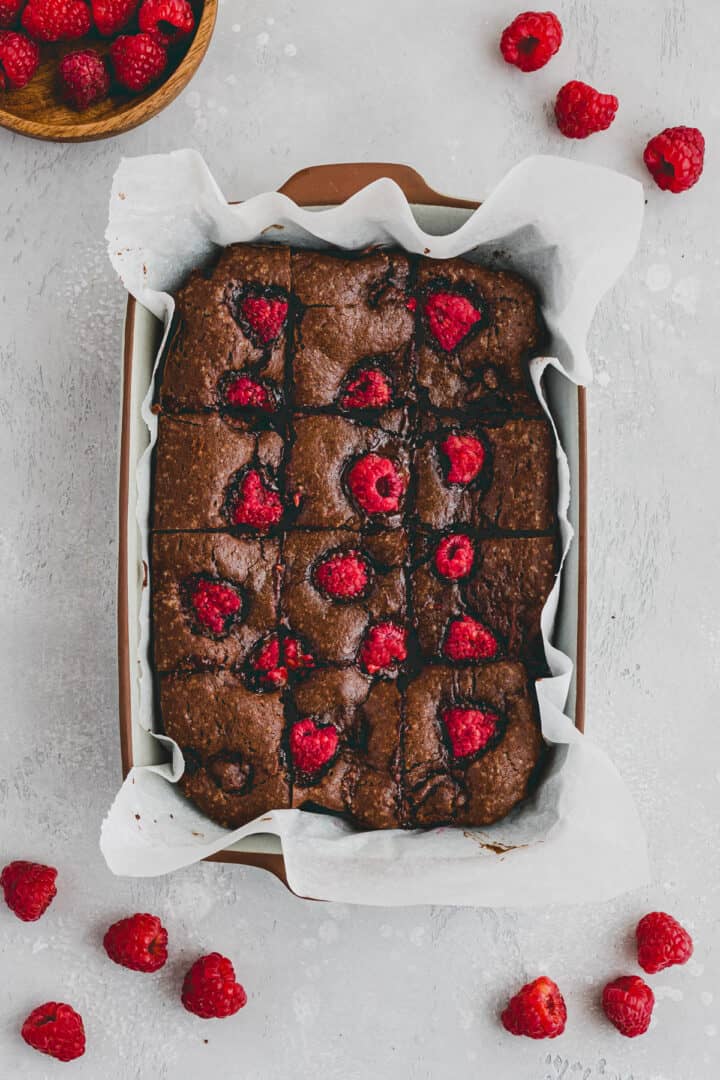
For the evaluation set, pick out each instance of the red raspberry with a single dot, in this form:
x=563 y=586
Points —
x=465 y=455
x=255 y=503
x=370 y=390
x=675 y=158
x=29 y=888
x=216 y=605
x=531 y=40
x=138 y=943
x=661 y=942
x=265 y=316
x=376 y=484
x=55 y=1029
x=628 y=1004
x=454 y=556
x=169 y=21
x=138 y=61
x=467 y=639
x=112 y=16
x=312 y=745
x=9 y=12
x=274 y=673
x=384 y=647
x=19 y=60
x=211 y=990
x=470 y=730
x=56 y=20
x=343 y=575
x=84 y=79
x=580 y=110
x=245 y=393
x=450 y=318
x=537 y=1010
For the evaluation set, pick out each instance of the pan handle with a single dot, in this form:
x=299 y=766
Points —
x=332 y=184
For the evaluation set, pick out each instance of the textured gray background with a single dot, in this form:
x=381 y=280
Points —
x=341 y=992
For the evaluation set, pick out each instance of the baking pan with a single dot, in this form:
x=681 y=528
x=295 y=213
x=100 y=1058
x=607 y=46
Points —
x=323 y=185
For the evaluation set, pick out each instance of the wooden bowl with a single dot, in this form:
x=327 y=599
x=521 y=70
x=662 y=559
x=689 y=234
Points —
x=37 y=110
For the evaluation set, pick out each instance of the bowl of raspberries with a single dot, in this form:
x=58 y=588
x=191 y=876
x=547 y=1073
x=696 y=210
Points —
x=75 y=70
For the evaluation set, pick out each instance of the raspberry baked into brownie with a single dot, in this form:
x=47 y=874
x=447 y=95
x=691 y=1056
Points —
x=353 y=537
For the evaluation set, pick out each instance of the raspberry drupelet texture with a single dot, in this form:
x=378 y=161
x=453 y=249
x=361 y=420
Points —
x=469 y=729
x=29 y=888
x=675 y=158
x=454 y=556
x=343 y=576
x=19 y=60
x=531 y=39
x=55 y=1029
x=210 y=989
x=450 y=318
x=138 y=942
x=168 y=21
x=246 y=393
x=276 y=660
x=371 y=389
x=580 y=110
x=216 y=605
x=661 y=942
x=376 y=484
x=265 y=315
x=468 y=639
x=384 y=647
x=10 y=12
x=112 y=16
x=537 y=1010
x=138 y=61
x=628 y=1004
x=255 y=503
x=56 y=20
x=84 y=78
x=465 y=457
x=312 y=745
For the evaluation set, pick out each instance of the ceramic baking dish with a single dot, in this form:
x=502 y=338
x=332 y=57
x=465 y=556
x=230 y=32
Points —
x=325 y=185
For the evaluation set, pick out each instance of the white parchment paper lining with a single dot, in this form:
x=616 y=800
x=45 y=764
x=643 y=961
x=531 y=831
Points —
x=571 y=228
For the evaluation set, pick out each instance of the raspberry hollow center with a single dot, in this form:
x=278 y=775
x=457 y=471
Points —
x=470 y=730
x=454 y=556
x=376 y=484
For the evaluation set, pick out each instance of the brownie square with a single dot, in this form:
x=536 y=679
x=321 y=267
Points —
x=212 y=336
x=320 y=473
x=512 y=490
x=478 y=327
x=466 y=786
x=199 y=461
x=334 y=627
x=213 y=597
x=232 y=742
x=373 y=281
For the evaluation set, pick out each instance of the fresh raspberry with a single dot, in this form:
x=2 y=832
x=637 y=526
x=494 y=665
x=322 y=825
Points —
x=210 y=988
x=628 y=1004
x=19 y=60
x=465 y=458
x=450 y=318
x=138 y=61
x=169 y=21
x=29 y=888
x=411 y=304
x=265 y=316
x=376 y=484
x=56 y=20
x=138 y=943
x=312 y=745
x=112 y=16
x=255 y=503
x=537 y=1010
x=245 y=393
x=343 y=575
x=580 y=110
x=84 y=78
x=9 y=12
x=384 y=647
x=531 y=40
x=216 y=605
x=274 y=672
x=470 y=730
x=675 y=158
x=55 y=1029
x=454 y=556
x=467 y=639
x=370 y=390
x=661 y=942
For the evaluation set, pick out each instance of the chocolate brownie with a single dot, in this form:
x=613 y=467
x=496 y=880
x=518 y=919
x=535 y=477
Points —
x=354 y=535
